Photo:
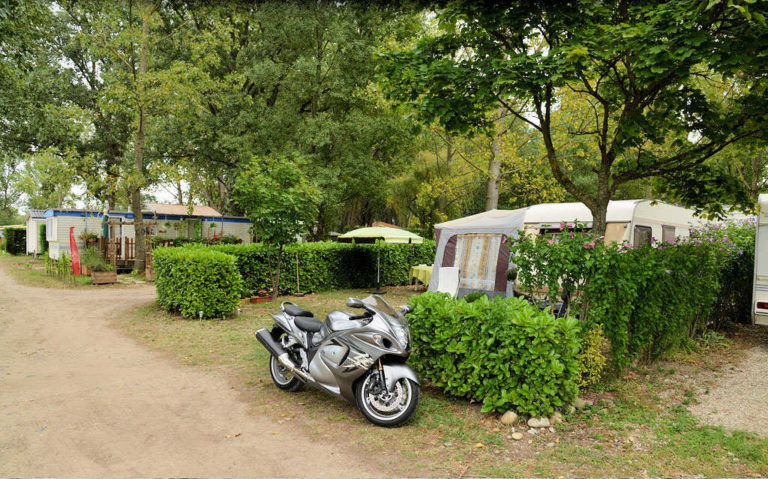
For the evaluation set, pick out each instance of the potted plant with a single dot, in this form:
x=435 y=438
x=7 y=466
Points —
x=101 y=272
x=261 y=296
x=89 y=238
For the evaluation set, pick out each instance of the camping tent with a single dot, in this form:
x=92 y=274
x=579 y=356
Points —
x=389 y=235
x=477 y=244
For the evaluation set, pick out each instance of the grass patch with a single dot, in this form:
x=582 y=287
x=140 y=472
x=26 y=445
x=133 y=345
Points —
x=30 y=271
x=637 y=426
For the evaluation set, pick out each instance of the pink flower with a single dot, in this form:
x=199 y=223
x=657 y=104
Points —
x=551 y=241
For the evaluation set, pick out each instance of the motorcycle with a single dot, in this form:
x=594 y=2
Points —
x=358 y=357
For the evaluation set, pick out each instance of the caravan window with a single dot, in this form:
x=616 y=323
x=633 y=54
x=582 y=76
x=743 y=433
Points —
x=668 y=234
x=642 y=236
x=50 y=229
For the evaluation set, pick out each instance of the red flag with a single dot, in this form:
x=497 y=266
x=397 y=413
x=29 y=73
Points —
x=73 y=250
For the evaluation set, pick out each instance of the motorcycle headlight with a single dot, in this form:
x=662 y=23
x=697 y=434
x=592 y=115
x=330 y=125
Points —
x=402 y=337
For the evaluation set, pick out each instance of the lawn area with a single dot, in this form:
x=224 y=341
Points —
x=31 y=272
x=638 y=425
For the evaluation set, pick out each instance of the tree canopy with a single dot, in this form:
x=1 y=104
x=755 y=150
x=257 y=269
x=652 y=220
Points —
x=629 y=78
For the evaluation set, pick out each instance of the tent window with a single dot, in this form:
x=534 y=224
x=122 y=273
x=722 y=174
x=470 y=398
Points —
x=668 y=234
x=642 y=236
x=477 y=257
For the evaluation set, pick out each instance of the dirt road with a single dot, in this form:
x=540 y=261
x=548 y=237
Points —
x=77 y=398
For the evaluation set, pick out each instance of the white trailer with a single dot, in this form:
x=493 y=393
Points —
x=760 y=279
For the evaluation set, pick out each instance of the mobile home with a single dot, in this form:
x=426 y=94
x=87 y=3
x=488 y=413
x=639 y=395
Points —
x=170 y=221
x=477 y=244
x=760 y=278
x=34 y=218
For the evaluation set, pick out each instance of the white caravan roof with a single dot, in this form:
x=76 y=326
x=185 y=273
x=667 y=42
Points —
x=621 y=211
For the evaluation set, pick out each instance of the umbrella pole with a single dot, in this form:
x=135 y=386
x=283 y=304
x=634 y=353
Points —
x=378 y=273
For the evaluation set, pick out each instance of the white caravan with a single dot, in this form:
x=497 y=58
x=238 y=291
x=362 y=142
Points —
x=760 y=282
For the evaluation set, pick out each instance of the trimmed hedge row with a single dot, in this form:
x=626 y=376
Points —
x=191 y=280
x=16 y=240
x=327 y=265
x=503 y=352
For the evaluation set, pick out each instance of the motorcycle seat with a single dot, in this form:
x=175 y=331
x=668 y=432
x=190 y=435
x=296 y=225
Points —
x=295 y=310
x=304 y=323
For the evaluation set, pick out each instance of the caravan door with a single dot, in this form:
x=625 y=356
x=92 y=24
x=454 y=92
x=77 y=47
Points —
x=760 y=282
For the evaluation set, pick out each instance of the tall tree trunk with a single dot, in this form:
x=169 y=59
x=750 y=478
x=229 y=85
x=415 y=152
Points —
x=494 y=173
x=136 y=208
x=446 y=173
x=179 y=192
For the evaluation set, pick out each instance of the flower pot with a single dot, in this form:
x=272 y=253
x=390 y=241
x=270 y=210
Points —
x=104 y=277
x=260 y=299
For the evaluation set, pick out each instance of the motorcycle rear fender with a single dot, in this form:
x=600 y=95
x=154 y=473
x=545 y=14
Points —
x=396 y=371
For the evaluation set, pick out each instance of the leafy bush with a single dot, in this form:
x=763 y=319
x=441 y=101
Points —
x=592 y=361
x=327 y=265
x=190 y=280
x=181 y=241
x=648 y=300
x=503 y=352
x=43 y=241
x=93 y=259
x=16 y=240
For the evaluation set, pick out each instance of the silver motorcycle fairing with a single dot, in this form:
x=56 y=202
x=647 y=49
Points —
x=287 y=324
x=394 y=372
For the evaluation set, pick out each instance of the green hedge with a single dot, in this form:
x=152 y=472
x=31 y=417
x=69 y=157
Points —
x=43 y=240
x=503 y=352
x=649 y=300
x=16 y=240
x=189 y=280
x=327 y=265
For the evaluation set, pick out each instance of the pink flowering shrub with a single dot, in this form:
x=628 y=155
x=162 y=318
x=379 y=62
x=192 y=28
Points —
x=649 y=300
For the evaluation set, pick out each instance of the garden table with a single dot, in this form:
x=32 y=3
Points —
x=421 y=273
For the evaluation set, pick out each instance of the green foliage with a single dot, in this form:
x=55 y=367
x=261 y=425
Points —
x=190 y=280
x=43 y=240
x=326 y=265
x=503 y=352
x=93 y=259
x=627 y=82
x=15 y=240
x=182 y=240
x=648 y=300
x=592 y=361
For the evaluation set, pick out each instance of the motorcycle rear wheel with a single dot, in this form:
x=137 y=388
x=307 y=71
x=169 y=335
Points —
x=283 y=378
x=392 y=411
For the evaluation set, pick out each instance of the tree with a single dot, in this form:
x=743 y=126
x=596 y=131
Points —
x=280 y=200
x=9 y=191
x=46 y=180
x=637 y=67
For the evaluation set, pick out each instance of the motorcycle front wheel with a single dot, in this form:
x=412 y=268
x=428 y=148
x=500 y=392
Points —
x=385 y=408
x=282 y=377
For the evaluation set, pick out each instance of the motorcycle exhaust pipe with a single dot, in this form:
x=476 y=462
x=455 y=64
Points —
x=279 y=352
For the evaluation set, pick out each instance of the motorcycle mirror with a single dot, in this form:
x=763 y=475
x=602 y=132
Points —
x=354 y=303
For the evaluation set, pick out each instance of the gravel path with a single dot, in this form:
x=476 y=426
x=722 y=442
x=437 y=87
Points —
x=740 y=399
x=80 y=399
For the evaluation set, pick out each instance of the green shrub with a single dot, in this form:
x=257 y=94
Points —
x=43 y=241
x=592 y=361
x=190 y=280
x=16 y=240
x=648 y=300
x=92 y=259
x=504 y=352
x=327 y=265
